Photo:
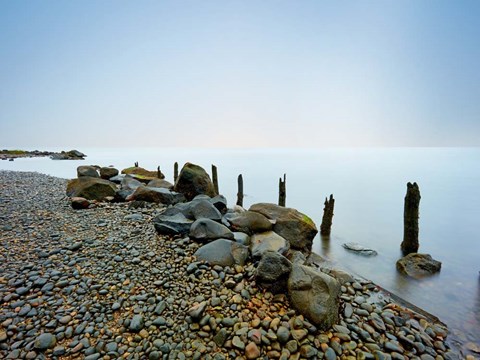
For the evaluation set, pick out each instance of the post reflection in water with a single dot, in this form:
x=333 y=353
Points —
x=326 y=246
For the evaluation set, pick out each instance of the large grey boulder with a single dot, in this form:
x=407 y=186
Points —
x=249 y=222
x=108 y=172
x=223 y=252
x=273 y=271
x=207 y=230
x=87 y=170
x=90 y=188
x=315 y=295
x=267 y=241
x=194 y=180
x=204 y=209
x=418 y=265
x=176 y=224
x=297 y=228
x=157 y=195
x=129 y=183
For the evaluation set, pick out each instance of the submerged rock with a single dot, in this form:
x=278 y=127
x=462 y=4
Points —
x=418 y=265
x=360 y=249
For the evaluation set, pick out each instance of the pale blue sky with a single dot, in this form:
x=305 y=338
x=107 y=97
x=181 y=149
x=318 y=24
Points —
x=239 y=73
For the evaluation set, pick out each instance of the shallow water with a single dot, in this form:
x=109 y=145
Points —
x=369 y=186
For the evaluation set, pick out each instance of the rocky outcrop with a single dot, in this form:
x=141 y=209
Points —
x=297 y=228
x=193 y=180
x=273 y=271
x=418 y=265
x=315 y=295
x=207 y=230
x=68 y=155
x=108 y=172
x=87 y=170
x=249 y=222
x=156 y=195
x=267 y=241
x=90 y=188
x=176 y=224
x=223 y=252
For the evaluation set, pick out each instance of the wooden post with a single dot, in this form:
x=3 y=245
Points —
x=175 y=172
x=282 y=191
x=159 y=173
x=240 y=191
x=410 y=219
x=326 y=226
x=136 y=163
x=215 y=179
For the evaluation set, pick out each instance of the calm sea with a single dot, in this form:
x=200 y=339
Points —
x=369 y=185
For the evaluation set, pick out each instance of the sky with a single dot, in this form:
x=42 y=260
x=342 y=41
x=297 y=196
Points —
x=239 y=73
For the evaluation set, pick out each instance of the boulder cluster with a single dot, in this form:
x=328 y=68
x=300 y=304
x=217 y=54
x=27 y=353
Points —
x=277 y=239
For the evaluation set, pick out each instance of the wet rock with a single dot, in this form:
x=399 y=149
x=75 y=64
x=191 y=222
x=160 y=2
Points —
x=418 y=265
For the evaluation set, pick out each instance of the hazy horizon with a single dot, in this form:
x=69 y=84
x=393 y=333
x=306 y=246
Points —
x=83 y=74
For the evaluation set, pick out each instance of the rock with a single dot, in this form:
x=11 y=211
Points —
x=129 y=183
x=220 y=337
x=283 y=334
x=249 y=222
x=172 y=225
x=86 y=170
x=45 y=341
x=220 y=202
x=69 y=155
x=194 y=180
x=223 y=252
x=108 y=172
x=160 y=183
x=90 y=188
x=359 y=249
x=204 y=209
x=141 y=174
x=418 y=265
x=267 y=241
x=297 y=228
x=252 y=351
x=273 y=271
x=196 y=311
x=157 y=195
x=315 y=295
x=79 y=203
x=241 y=238
x=207 y=230
x=117 y=179
x=136 y=324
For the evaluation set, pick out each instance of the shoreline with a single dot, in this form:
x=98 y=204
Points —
x=88 y=246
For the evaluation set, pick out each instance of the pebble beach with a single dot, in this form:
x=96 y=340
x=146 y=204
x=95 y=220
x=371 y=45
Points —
x=101 y=284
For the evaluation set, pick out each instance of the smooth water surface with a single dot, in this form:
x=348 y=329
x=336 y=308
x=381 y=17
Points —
x=369 y=186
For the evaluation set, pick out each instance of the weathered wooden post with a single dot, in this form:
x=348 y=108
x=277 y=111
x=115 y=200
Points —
x=282 y=191
x=136 y=164
x=410 y=219
x=175 y=172
x=215 y=179
x=240 y=191
x=326 y=226
x=159 y=173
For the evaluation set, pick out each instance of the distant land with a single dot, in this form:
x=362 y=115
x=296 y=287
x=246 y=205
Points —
x=63 y=155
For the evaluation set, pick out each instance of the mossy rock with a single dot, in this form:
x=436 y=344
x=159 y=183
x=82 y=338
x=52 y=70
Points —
x=193 y=180
x=142 y=174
